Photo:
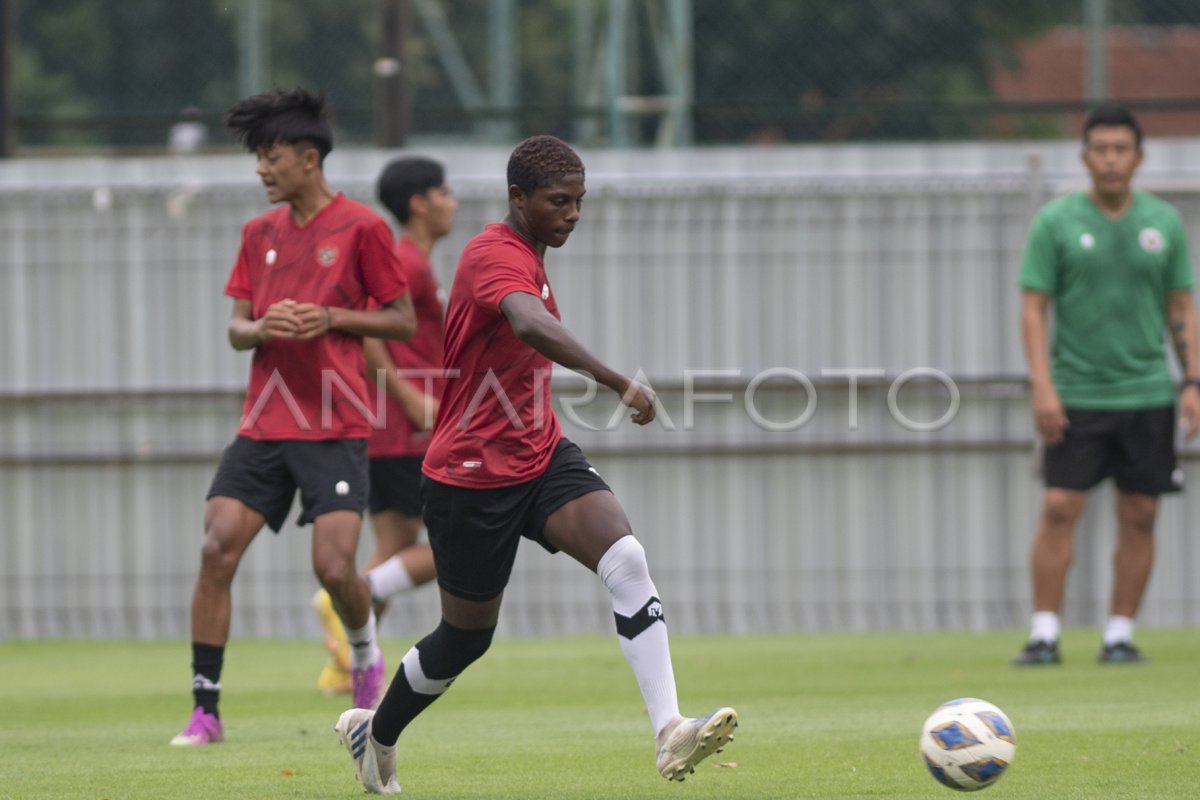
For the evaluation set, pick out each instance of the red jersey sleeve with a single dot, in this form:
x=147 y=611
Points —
x=238 y=284
x=383 y=276
x=508 y=270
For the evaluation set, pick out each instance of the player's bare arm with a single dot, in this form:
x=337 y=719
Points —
x=396 y=320
x=1181 y=318
x=420 y=408
x=538 y=328
x=1048 y=415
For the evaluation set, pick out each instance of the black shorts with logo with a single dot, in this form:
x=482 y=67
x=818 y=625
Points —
x=331 y=475
x=396 y=485
x=475 y=532
x=1135 y=448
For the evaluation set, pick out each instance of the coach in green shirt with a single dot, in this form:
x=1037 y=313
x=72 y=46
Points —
x=1114 y=265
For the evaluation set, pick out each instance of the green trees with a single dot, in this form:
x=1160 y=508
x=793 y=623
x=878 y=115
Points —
x=830 y=69
x=100 y=73
x=92 y=72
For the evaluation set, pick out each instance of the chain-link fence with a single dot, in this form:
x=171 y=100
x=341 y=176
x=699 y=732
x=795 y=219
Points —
x=140 y=74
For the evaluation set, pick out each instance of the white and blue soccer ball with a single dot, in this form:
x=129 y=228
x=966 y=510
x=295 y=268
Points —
x=968 y=743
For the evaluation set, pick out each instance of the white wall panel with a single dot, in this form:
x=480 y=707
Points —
x=118 y=389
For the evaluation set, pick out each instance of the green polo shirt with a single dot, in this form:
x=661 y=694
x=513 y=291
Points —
x=1109 y=280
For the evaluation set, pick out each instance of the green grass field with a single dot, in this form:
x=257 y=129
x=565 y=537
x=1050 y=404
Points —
x=822 y=717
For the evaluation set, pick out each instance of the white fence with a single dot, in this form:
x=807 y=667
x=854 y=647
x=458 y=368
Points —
x=777 y=509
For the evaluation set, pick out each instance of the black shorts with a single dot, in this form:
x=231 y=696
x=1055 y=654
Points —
x=396 y=485
x=331 y=475
x=475 y=532
x=1135 y=448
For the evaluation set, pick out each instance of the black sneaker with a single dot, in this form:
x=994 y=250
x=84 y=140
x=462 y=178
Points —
x=1121 y=653
x=1038 y=651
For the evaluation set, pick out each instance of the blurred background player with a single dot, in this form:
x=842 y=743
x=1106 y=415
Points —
x=301 y=285
x=499 y=469
x=414 y=189
x=1114 y=264
x=189 y=134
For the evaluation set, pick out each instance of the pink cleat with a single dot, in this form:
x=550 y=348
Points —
x=201 y=729
x=369 y=684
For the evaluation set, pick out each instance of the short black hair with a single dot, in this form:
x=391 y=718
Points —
x=539 y=160
x=403 y=179
x=287 y=116
x=1112 y=115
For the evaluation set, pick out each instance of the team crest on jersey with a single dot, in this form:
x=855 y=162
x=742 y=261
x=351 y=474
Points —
x=1151 y=240
x=271 y=256
x=545 y=291
x=1087 y=241
x=327 y=255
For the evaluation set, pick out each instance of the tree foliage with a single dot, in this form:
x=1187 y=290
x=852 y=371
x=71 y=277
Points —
x=101 y=72
x=828 y=69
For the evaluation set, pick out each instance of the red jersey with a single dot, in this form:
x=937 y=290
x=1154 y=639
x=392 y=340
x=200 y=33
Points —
x=341 y=257
x=495 y=426
x=421 y=354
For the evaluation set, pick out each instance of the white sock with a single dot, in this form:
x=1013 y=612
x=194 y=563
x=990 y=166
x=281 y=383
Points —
x=363 y=649
x=1118 y=629
x=1044 y=627
x=389 y=578
x=642 y=630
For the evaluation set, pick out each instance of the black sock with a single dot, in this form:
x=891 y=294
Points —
x=436 y=660
x=206 y=668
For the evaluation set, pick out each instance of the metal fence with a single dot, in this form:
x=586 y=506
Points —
x=748 y=285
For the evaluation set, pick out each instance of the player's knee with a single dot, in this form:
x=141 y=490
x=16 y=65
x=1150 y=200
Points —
x=1138 y=513
x=625 y=561
x=1060 y=512
x=219 y=556
x=335 y=574
x=448 y=651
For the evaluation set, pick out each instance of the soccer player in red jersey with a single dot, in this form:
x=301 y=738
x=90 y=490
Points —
x=300 y=287
x=499 y=468
x=414 y=189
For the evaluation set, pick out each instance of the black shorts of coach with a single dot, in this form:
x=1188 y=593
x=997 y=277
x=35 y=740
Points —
x=1135 y=448
x=396 y=485
x=475 y=532
x=331 y=475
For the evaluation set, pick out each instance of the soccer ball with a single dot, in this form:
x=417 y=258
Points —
x=968 y=744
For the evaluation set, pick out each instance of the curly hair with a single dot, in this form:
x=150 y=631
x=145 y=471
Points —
x=288 y=116
x=539 y=160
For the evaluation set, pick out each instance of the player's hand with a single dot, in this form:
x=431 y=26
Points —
x=314 y=320
x=1048 y=415
x=1189 y=411
x=280 y=322
x=641 y=399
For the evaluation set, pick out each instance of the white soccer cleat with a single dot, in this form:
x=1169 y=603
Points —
x=685 y=743
x=374 y=764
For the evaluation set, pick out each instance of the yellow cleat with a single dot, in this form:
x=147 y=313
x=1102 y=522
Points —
x=334 y=680
x=335 y=676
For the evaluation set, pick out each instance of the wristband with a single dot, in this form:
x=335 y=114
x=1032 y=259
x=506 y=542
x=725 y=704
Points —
x=1190 y=382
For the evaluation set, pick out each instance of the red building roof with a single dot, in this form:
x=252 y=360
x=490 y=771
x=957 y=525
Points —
x=1145 y=64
